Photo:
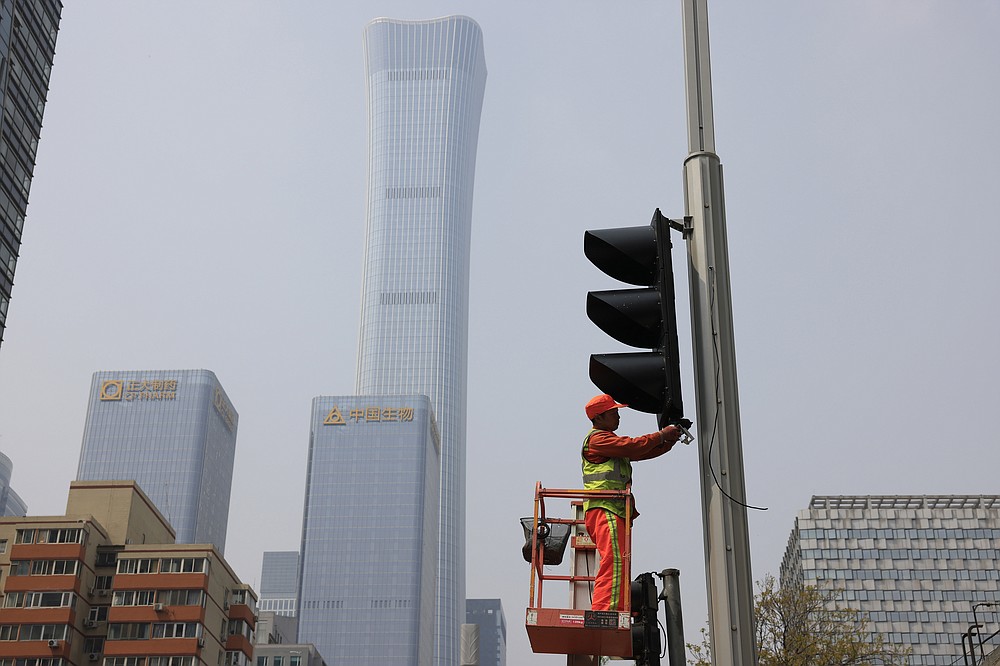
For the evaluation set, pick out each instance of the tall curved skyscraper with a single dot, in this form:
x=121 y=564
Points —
x=425 y=84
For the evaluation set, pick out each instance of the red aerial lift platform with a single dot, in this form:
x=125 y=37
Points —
x=579 y=630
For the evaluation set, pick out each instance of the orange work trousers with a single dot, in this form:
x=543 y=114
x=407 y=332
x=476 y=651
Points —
x=607 y=529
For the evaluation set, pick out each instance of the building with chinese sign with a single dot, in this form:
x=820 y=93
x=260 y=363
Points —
x=425 y=84
x=369 y=533
x=173 y=431
x=27 y=45
x=918 y=566
x=105 y=584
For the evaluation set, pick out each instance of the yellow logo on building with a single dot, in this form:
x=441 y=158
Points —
x=334 y=417
x=112 y=389
x=369 y=415
x=138 y=389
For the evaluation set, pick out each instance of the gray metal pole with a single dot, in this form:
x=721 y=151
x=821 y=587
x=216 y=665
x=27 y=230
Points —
x=727 y=544
x=671 y=596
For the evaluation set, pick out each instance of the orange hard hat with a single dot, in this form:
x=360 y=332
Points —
x=600 y=404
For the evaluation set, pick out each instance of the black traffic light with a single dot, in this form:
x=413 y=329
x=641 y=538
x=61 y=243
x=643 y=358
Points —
x=646 y=645
x=644 y=317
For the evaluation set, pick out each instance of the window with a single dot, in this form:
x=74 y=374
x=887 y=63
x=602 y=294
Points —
x=3 y=545
x=102 y=582
x=8 y=632
x=25 y=536
x=41 y=632
x=277 y=660
x=184 y=565
x=124 y=661
x=175 y=629
x=14 y=600
x=128 y=631
x=93 y=645
x=48 y=599
x=137 y=566
x=295 y=660
x=106 y=558
x=61 y=535
x=170 y=661
x=97 y=614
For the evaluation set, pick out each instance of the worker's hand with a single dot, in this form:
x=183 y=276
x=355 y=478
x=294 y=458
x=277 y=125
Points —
x=670 y=435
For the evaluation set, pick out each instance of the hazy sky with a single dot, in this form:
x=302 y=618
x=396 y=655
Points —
x=198 y=202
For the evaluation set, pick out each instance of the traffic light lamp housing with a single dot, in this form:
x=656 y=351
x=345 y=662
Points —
x=644 y=317
x=646 y=645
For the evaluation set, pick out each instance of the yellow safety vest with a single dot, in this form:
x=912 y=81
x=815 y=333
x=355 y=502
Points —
x=612 y=474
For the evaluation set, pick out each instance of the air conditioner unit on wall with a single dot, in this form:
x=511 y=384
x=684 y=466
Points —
x=101 y=593
x=54 y=642
x=201 y=642
x=90 y=624
x=93 y=656
x=159 y=607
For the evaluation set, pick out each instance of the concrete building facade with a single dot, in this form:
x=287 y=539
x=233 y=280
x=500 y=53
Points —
x=918 y=566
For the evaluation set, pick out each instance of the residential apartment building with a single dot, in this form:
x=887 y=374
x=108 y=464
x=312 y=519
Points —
x=105 y=584
x=921 y=567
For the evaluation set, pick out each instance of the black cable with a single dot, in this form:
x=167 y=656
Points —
x=718 y=399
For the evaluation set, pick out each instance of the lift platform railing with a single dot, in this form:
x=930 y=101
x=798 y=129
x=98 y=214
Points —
x=578 y=631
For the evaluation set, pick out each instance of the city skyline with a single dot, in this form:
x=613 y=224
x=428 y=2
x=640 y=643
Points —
x=197 y=202
x=424 y=81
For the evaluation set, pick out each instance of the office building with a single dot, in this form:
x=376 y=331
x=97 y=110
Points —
x=27 y=45
x=106 y=584
x=369 y=531
x=279 y=582
x=488 y=615
x=276 y=644
x=918 y=566
x=173 y=431
x=11 y=503
x=425 y=83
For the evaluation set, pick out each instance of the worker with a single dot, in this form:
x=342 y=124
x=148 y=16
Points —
x=607 y=465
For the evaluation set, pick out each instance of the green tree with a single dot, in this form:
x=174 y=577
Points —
x=806 y=626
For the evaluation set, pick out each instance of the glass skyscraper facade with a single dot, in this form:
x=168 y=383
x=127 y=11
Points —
x=173 y=432
x=425 y=83
x=369 y=531
x=279 y=582
x=488 y=615
x=915 y=565
x=11 y=503
x=28 y=32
